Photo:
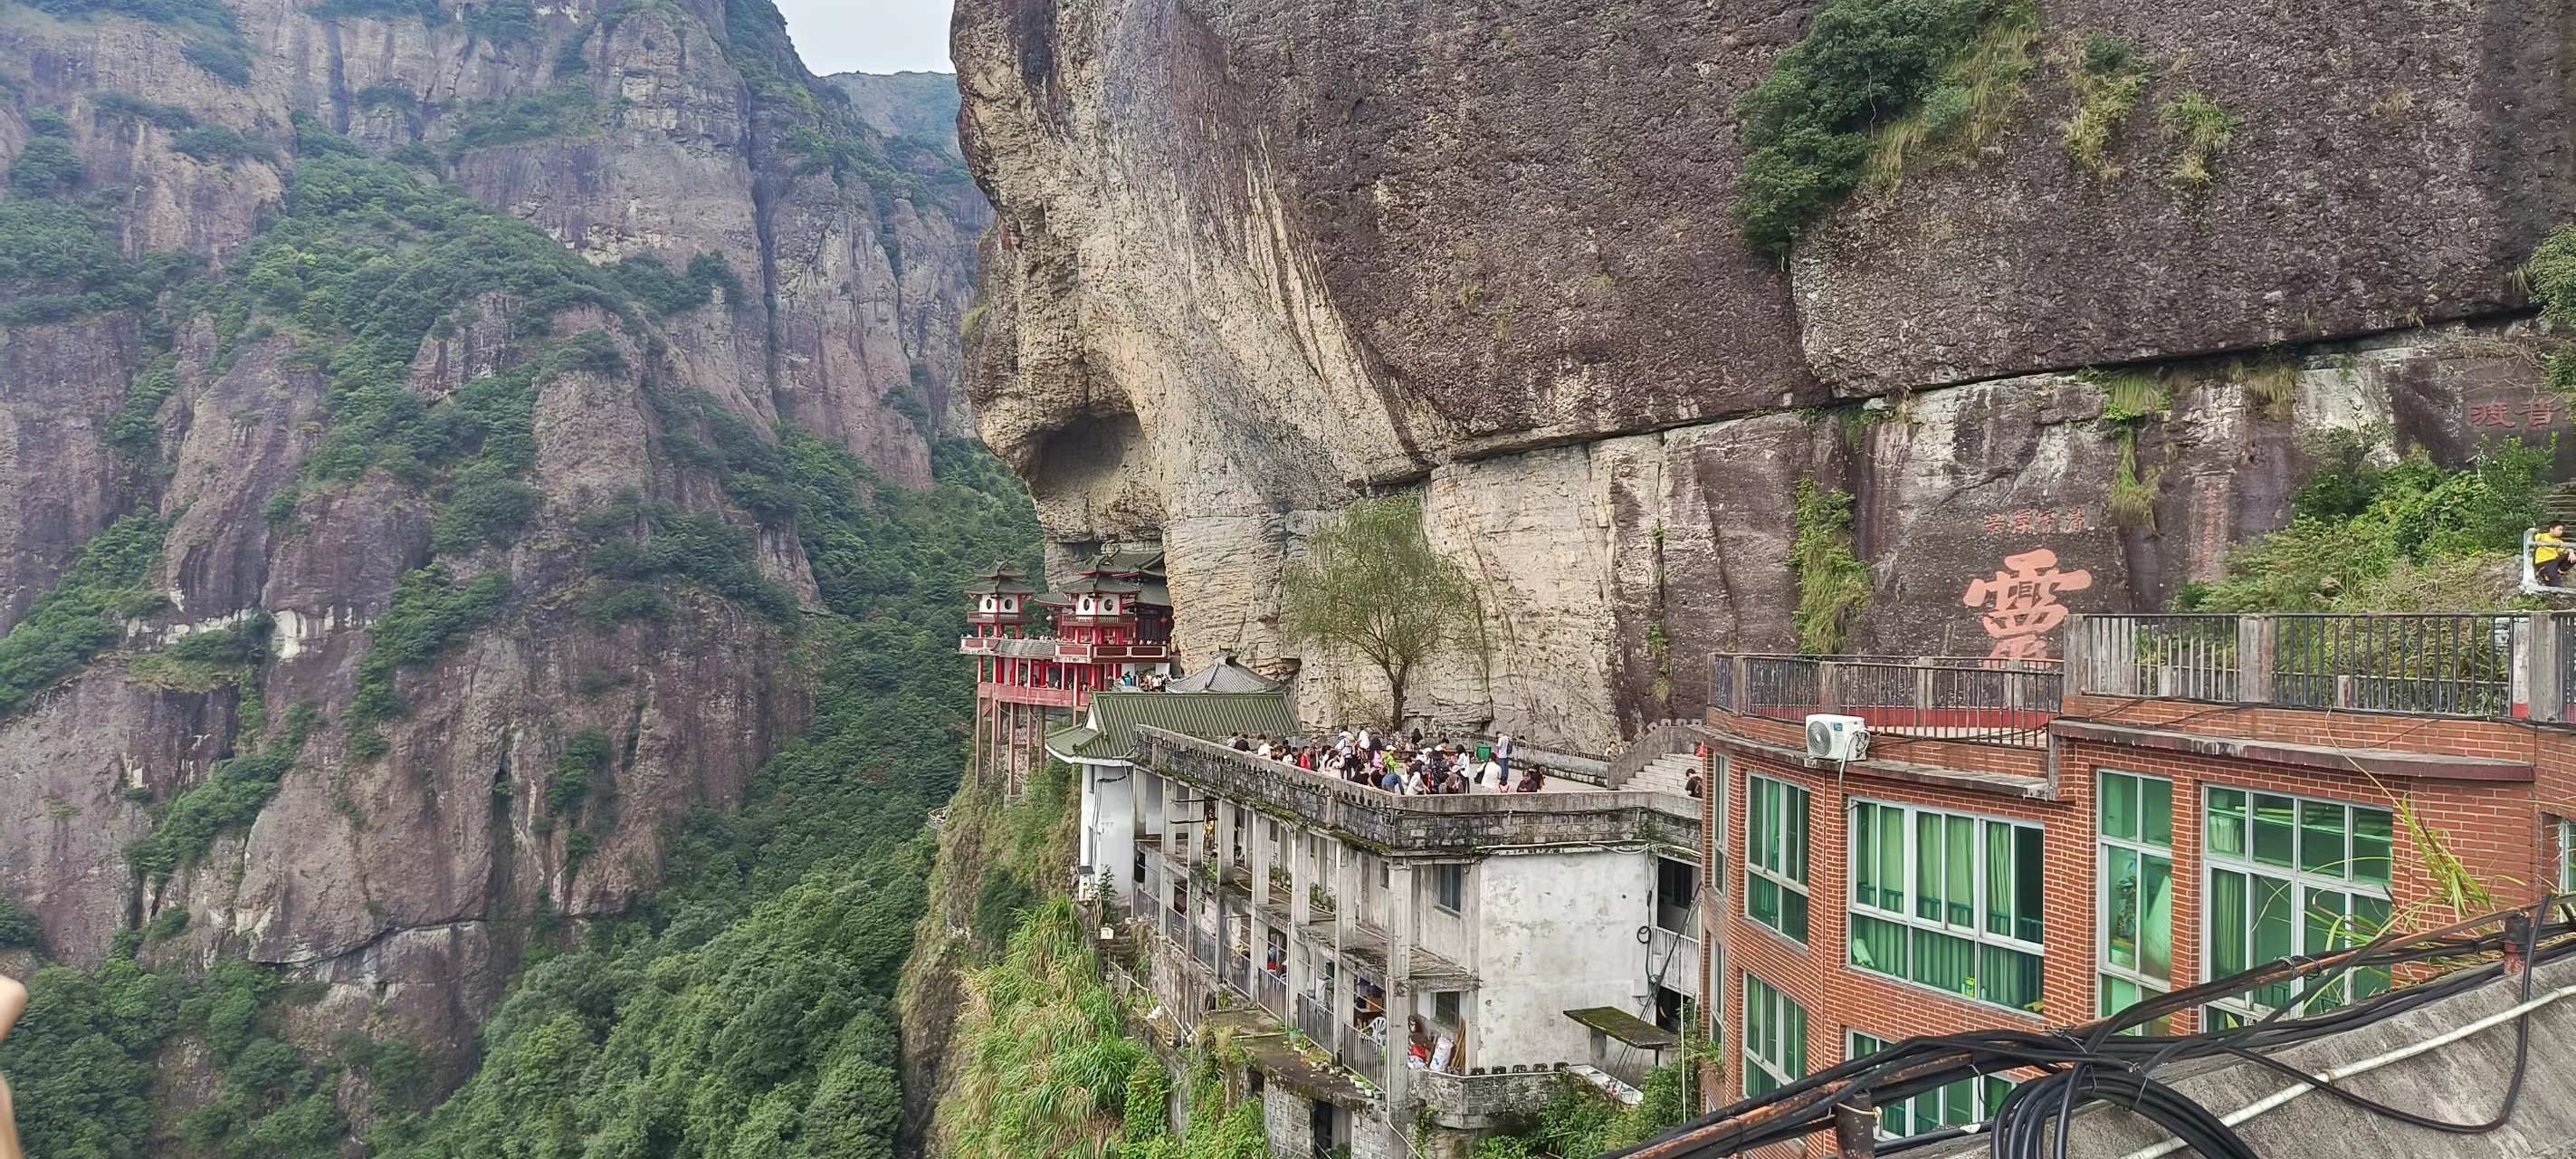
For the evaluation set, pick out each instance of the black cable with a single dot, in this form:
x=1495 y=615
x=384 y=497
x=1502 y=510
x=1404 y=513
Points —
x=2100 y=1063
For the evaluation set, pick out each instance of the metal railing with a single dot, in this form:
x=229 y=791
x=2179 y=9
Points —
x=1939 y=698
x=2448 y=665
x=1203 y=947
x=1315 y=1019
x=1271 y=991
x=2563 y=630
x=2467 y=664
x=1176 y=926
x=1365 y=1058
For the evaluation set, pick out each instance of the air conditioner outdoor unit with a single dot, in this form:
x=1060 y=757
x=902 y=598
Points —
x=1837 y=738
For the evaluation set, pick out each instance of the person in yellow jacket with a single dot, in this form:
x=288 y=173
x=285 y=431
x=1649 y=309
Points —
x=2550 y=553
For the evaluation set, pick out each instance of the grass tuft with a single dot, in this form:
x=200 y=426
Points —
x=2196 y=120
x=1968 y=109
x=2109 y=77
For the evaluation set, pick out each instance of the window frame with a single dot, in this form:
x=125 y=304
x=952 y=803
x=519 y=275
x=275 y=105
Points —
x=1775 y=1009
x=1781 y=877
x=2301 y=881
x=1978 y=931
x=1449 y=878
x=2104 y=969
x=1982 y=1091
x=2562 y=832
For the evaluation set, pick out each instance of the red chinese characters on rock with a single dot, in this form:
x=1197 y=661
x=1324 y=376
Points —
x=2036 y=522
x=2534 y=414
x=2021 y=605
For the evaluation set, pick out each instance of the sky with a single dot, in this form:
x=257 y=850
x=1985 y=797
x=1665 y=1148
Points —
x=870 y=35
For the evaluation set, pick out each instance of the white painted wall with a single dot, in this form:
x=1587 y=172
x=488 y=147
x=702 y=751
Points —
x=1554 y=932
x=1109 y=828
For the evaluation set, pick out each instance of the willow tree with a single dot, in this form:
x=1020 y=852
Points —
x=1371 y=584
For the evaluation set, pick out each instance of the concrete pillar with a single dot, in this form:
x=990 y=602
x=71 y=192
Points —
x=1400 y=936
x=2256 y=642
x=1260 y=859
x=1301 y=877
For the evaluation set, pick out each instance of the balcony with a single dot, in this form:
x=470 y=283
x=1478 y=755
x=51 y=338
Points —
x=2511 y=666
x=1935 y=698
x=1072 y=652
x=1043 y=697
x=1420 y=825
x=1011 y=647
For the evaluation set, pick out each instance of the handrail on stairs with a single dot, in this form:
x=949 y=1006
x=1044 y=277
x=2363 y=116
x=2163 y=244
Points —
x=1661 y=739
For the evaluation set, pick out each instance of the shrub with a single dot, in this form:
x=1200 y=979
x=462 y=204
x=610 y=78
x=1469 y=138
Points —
x=47 y=167
x=428 y=614
x=216 y=144
x=485 y=507
x=585 y=757
x=129 y=107
x=18 y=928
x=567 y=111
x=136 y=429
x=2364 y=538
x=231 y=797
x=2109 y=77
x=652 y=282
x=1807 y=125
x=81 y=616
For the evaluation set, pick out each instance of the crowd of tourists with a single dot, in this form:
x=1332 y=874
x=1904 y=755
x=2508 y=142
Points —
x=1399 y=764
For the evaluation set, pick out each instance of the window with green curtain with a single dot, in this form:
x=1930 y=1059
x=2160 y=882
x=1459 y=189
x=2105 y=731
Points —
x=2136 y=876
x=1775 y=890
x=1954 y=1105
x=1775 y=1039
x=2311 y=878
x=1975 y=881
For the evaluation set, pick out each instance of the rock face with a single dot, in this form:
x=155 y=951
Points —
x=1257 y=258
x=404 y=869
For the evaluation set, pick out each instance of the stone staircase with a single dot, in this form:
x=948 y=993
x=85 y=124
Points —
x=1667 y=774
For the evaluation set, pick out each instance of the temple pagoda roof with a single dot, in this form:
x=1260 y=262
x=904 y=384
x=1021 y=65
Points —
x=1091 y=585
x=1224 y=676
x=1131 y=561
x=1002 y=580
x=1109 y=732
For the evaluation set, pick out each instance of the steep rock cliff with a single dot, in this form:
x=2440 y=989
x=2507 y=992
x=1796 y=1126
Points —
x=459 y=635
x=1257 y=258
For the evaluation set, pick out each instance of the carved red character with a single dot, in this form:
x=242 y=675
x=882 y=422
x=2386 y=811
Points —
x=1997 y=524
x=2023 y=521
x=2541 y=412
x=2021 y=603
x=2491 y=414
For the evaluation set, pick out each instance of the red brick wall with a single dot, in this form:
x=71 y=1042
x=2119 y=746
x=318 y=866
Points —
x=2495 y=828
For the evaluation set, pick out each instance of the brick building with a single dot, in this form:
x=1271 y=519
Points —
x=2183 y=797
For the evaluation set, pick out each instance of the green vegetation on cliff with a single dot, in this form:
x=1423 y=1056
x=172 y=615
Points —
x=1580 y=1124
x=84 y=614
x=1833 y=584
x=748 y=1010
x=2408 y=537
x=2109 y=77
x=1049 y=1069
x=1862 y=65
x=2551 y=275
x=82 y=1064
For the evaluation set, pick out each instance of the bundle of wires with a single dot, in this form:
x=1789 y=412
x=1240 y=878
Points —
x=2113 y=1061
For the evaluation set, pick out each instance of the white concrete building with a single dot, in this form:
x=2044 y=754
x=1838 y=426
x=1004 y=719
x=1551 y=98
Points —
x=1393 y=964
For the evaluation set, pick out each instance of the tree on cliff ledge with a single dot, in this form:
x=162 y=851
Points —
x=1371 y=584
